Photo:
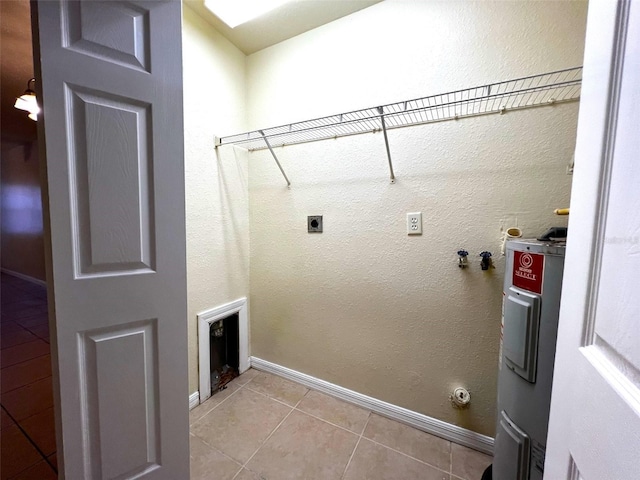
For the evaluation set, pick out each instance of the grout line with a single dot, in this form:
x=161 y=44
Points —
x=450 y=469
x=30 y=440
x=347 y=430
x=273 y=398
x=240 y=387
x=238 y=473
x=34 y=340
x=332 y=424
x=356 y=447
x=366 y=423
x=216 y=449
x=351 y=457
x=407 y=455
x=450 y=458
x=272 y=432
x=13 y=390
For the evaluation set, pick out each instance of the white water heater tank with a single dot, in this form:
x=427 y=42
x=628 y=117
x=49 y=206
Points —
x=531 y=304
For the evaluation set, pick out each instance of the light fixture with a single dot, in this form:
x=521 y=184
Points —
x=237 y=12
x=27 y=101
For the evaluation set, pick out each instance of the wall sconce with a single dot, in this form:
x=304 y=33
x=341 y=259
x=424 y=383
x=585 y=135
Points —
x=27 y=102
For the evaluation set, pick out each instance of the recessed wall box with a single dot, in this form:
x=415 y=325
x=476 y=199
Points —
x=314 y=224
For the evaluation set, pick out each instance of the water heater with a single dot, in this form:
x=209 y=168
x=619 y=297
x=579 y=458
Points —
x=531 y=304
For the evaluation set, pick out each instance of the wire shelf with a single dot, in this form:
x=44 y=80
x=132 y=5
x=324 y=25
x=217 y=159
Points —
x=526 y=92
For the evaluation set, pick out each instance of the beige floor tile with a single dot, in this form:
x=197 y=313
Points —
x=278 y=388
x=467 y=463
x=428 y=448
x=247 y=376
x=375 y=462
x=208 y=463
x=239 y=426
x=304 y=447
x=334 y=411
x=247 y=475
x=212 y=402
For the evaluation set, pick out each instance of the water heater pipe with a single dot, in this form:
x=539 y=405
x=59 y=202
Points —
x=509 y=234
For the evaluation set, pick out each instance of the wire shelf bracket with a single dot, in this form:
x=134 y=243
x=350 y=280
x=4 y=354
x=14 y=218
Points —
x=275 y=157
x=533 y=91
x=386 y=144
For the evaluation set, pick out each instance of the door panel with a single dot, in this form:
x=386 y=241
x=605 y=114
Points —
x=111 y=179
x=111 y=80
x=120 y=383
x=113 y=31
x=594 y=429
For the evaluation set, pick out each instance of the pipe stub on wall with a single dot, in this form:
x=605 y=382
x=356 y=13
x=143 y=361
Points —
x=460 y=398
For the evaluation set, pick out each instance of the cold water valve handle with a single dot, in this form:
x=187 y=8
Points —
x=462 y=258
x=486 y=262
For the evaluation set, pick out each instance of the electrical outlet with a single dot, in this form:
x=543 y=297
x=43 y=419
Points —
x=414 y=223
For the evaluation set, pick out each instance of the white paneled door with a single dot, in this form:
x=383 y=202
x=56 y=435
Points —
x=594 y=428
x=110 y=75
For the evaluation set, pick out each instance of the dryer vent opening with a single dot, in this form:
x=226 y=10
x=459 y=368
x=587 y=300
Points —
x=224 y=345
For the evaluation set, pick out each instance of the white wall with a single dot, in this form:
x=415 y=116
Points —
x=217 y=203
x=362 y=304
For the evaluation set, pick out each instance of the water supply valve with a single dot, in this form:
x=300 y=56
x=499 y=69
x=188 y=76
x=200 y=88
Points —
x=486 y=263
x=462 y=258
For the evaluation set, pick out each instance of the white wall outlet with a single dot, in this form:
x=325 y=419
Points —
x=414 y=223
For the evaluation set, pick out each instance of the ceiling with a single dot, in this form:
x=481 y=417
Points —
x=16 y=68
x=16 y=57
x=286 y=21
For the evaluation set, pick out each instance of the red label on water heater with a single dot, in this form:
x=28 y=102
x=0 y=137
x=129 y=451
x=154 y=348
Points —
x=528 y=269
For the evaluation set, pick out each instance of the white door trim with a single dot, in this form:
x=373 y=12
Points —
x=205 y=319
x=431 y=425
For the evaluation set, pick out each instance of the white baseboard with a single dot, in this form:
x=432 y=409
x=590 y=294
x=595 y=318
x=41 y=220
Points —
x=22 y=276
x=417 y=420
x=194 y=400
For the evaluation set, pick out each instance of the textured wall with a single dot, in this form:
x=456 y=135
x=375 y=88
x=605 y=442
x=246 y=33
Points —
x=217 y=203
x=364 y=305
x=22 y=236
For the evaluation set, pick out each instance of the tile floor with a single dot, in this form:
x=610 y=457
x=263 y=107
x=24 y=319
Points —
x=27 y=432
x=263 y=427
